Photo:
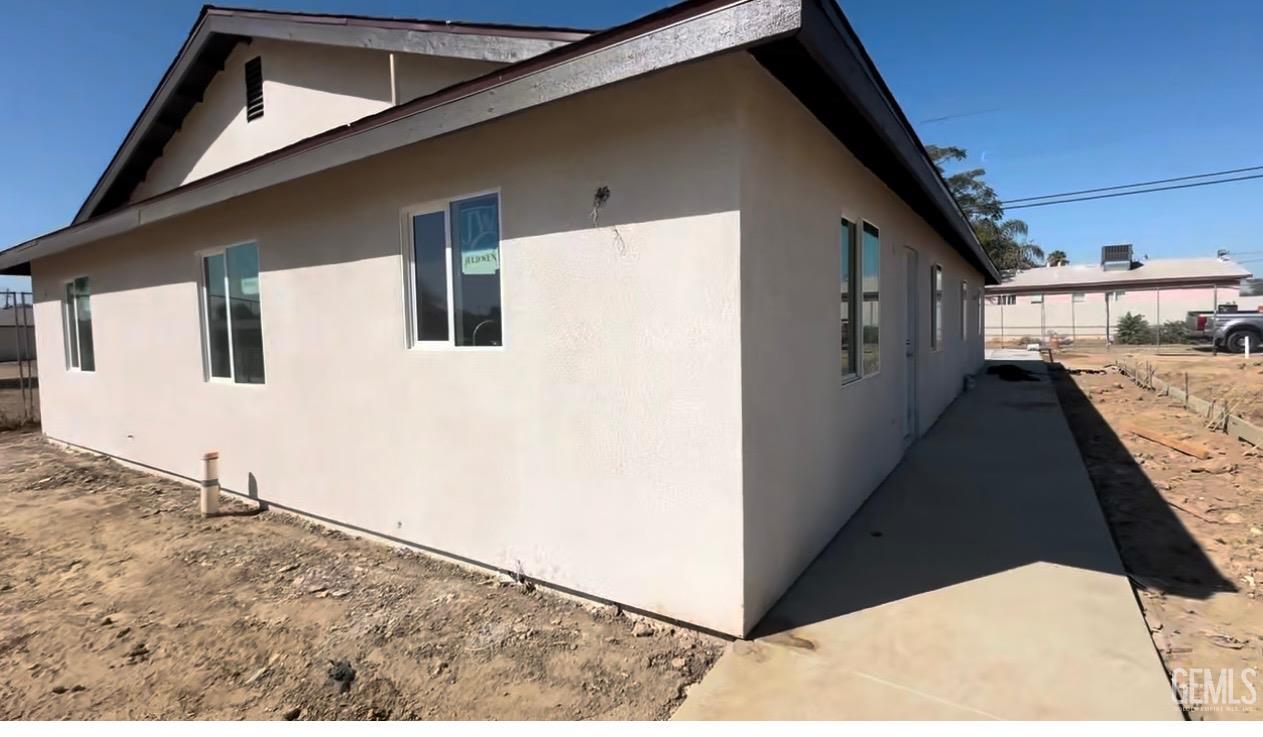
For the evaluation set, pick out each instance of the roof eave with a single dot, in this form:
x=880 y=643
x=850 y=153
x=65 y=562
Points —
x=776 y=30
x=483 y=42
x=850 y=97
x=1179 y=282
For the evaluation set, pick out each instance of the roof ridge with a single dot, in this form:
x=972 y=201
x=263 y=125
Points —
x=212 y=9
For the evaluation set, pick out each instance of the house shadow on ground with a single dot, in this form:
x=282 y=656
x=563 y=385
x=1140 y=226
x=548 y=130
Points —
x=997 y=484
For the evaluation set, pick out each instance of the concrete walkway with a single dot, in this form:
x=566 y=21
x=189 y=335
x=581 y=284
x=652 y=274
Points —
x=979 y=581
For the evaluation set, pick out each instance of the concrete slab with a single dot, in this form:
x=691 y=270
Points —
x=979 y=581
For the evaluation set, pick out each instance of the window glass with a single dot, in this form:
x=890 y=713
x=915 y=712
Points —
x=871 y=320
x=72 y=327
x=476 y=270
x=849 y=281
x=79 y=325
x=429 y=244
x=1079 y=297
x=234 y=316
x=964 y=309
x=217 y=316
x=246 y=318
x=936 y=312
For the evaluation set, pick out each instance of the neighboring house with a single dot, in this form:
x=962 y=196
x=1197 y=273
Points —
x=17 y=332
x=577 y=316
x=1084 y=302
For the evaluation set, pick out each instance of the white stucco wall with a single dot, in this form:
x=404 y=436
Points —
x=665 y=426
x=599 y=450
x=814 y=449
x=307 y=89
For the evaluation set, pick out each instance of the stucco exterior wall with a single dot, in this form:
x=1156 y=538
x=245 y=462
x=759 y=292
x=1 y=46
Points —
x=307 y=89
x=814 y=449
x=599 y=450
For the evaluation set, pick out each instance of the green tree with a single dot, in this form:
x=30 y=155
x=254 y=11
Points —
x=1133 y=330
x=1058 y=258
x=1006 y=241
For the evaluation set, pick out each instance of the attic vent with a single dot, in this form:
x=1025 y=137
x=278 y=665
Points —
x=254 y=89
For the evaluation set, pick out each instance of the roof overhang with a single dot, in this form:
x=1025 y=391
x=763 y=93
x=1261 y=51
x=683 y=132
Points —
x=1188 y=282
x=218 y=30
x=807 y=44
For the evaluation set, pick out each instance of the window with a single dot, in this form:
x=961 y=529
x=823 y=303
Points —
x=1038 y=299
x=870 y=260
x=1117 y=295
x=1078 y=297
x=850 y=282
x=936 y=307
x=978 y=305
x=77 y=312
x=964 y=309
x=1005 y=299
x=453 y=257
x=233 y=330
x=254 y=89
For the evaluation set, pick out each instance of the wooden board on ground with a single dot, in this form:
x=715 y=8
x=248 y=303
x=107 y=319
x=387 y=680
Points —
x=1187 y=447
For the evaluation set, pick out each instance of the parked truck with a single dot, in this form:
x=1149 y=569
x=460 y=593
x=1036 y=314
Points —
x=1230 y=330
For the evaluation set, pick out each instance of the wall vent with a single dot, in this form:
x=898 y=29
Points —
x=254 y=89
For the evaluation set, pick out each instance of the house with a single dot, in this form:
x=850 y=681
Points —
x=545 y=301
x=1083 y=302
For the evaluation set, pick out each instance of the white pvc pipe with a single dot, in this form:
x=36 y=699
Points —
x=210 y=484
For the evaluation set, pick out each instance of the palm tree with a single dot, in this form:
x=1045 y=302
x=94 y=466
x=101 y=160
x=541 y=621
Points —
x=1005 y=241
x=1058 y=258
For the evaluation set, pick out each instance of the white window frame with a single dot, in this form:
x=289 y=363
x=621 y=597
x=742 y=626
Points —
x=71 y=312
x=1078 y=297
x=204 y=313
x=857 y=280
x=964 y=310
x=444 y=205
x=1005 y=299
x=936 y=307
x=1037 y=299
x=978 y=303
x=859 y=236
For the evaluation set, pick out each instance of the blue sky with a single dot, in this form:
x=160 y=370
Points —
x=1051 y=96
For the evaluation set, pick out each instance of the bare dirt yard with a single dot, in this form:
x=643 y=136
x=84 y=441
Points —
x=1224 y=377
x=1190 y=530
x=118 y=601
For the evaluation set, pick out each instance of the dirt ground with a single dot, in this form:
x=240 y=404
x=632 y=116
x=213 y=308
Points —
x=118 y=601
x=1190 y=531
x=1221 y=377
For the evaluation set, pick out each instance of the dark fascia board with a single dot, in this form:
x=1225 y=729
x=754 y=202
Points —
x=558 y=33
x=686 y=32
x=827 y=67
x=1177 y=282
x=692 y=30
x=215 y=26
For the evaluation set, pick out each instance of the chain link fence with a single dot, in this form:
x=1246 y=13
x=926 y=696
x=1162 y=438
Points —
x=1153 y=320
x=19 y=377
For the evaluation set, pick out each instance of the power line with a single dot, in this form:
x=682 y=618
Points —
x=1006 y=203
x=1138 y=191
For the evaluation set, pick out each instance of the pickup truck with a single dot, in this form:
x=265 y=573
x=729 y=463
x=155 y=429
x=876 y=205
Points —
x=1229 y=330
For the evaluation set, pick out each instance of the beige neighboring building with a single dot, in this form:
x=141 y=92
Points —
x=1085 y=301
x=542 y=300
